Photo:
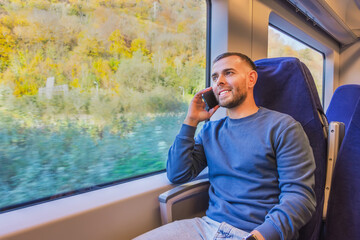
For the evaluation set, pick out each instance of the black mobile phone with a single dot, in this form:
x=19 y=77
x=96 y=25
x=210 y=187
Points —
x=210 y=100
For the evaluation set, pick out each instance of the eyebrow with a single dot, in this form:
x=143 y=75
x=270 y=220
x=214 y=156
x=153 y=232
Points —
x=224 y=70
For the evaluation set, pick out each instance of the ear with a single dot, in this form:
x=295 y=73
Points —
x=252 y=78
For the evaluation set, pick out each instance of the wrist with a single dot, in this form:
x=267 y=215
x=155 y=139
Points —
x=191 y=122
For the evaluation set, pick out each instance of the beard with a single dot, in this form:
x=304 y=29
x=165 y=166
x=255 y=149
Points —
x=237 y=100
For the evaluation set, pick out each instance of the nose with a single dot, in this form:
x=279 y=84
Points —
x=221 y=80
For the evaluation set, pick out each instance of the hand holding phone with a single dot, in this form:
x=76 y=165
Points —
x=210 y=100
x=196 y=111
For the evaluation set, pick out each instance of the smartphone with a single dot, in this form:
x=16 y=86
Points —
x=210 y=100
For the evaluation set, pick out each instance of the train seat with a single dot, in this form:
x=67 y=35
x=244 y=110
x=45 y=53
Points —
x=342 y=104
x=339 y=113
x=343 y=212
x=285 y=85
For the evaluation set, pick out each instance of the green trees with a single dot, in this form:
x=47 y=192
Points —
x=82 y=41
x=117 y=47
x=125 y=68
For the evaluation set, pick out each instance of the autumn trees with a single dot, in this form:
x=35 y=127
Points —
x=129 y=67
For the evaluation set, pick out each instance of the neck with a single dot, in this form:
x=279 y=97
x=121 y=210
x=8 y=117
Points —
x=247 y=108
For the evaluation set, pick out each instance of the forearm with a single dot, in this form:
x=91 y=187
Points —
x=186 y=158
x=296 y=166
x=285 y=219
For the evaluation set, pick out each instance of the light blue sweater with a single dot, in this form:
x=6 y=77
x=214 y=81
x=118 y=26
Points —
x=261 y=170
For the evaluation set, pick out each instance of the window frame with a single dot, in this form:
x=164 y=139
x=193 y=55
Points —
x=322 y=97
x=319 y=40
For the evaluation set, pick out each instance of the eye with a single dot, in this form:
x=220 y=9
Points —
x=215 y=78
x=228 y=73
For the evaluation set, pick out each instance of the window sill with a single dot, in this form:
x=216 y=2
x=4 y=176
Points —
x=38 y=217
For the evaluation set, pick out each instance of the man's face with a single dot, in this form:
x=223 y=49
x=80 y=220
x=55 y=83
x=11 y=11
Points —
x=229 y=81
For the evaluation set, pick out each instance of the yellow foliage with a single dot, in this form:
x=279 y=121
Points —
x=102 y=71
x=28 y=72
x=89 y=45
x=116 y=36
x=115 y=87
x=75 y=83
x=23 y=87
x=12 y=20
x=118 y=46
x=61 y=41
x=181 y=27
x=50 y=64
x=76 y=2
x=74 y=71
x=41 y=4
x=198 y=60
x=7 y=44
x=139 y=44
x=114 y=64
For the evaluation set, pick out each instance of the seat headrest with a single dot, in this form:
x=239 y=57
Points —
x=286 y=85
x=342 y=104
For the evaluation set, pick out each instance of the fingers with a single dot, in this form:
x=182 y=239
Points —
x=197 y=109
x=199 y=99
x=207 y=89
x=213 y=110
x=203 y=91
x=198 y=96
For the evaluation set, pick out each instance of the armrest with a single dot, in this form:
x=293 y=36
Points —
x=193 y=194
x=335 y=137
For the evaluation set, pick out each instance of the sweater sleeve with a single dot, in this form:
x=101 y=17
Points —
x=296 y=166
x=186 y=158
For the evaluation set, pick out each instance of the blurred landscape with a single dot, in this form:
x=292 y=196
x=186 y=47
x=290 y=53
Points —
x=93 y=91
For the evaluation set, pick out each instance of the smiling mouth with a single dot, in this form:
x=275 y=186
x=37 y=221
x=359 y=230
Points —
x=223 y=92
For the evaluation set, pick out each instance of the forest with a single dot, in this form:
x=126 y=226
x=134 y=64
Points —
x=93 y=91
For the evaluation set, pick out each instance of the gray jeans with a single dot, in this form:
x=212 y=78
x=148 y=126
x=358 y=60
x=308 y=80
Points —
x=197 y=228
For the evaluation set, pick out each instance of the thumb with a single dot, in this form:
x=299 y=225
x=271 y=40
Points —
x=213 y=110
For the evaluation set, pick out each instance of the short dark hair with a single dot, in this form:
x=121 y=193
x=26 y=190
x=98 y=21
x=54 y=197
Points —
x=242 y=56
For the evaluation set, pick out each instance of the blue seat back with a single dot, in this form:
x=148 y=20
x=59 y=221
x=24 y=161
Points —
x=342 y=104
x=343 y=215
x=286 y=85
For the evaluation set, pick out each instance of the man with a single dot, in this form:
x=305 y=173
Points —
x=261 y=166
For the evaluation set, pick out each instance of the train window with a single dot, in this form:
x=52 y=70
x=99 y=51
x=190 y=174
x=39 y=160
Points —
x=93 y=92
x=281 y=44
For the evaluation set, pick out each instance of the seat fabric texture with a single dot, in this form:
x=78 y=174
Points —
x=343 y=216
x=342 y=104
x=286 y=85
